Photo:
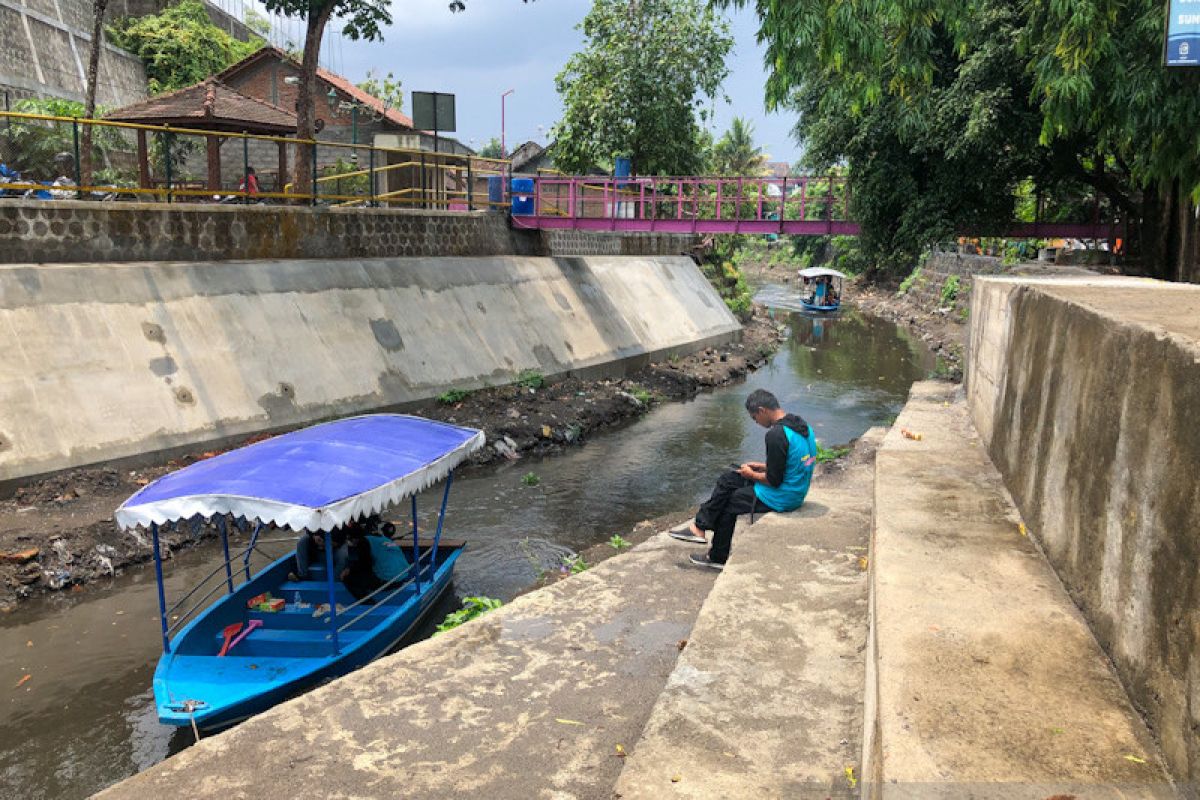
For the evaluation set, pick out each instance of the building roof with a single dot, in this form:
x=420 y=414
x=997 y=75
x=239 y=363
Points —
x=209 y=105
x=339 y=83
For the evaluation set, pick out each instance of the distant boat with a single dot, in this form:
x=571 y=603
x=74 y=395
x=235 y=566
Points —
x=820 y=289
x=232 y=661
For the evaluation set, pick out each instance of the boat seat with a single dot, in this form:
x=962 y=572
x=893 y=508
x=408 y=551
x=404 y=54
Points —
x=291 y=643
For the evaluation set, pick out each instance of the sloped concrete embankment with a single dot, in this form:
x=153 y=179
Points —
x=114 y=360
x=536 y=699
x=1086 y=394
x=985 y=680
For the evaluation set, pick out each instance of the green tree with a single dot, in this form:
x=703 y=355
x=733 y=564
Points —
x=257 y=22
x=951 y=106
x=736 y=154
x=37 y=146
x=491 y=149
x=387 y=88
x=180 y=46
x=638 y=86
x=361 y=19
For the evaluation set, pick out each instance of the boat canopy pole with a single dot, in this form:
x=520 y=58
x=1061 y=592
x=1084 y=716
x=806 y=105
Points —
x=416 y=547
x=162 y=597
x=225 y=547
x=437 y=537
x=250 y=549
x=329 y=579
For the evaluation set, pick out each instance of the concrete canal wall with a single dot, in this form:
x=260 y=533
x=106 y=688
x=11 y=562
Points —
x=104 y=361
x=79 y=231
x=1087 y=394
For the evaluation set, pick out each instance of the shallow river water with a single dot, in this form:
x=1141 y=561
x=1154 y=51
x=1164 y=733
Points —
x=85 y=717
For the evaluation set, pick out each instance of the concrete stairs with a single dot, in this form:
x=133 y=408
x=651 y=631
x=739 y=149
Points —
x=985 y=680
x=766 y=701
x=899 y=637
x=959 y=668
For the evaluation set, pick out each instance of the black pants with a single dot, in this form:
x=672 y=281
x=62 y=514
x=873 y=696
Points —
x=733 y=495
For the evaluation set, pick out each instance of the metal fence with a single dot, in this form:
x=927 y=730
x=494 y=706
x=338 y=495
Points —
x=162 y=163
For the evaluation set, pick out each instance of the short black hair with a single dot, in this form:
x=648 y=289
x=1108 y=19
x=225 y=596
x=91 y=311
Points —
x=761 y=398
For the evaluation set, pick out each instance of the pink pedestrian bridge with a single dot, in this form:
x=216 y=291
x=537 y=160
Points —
x=796 y=206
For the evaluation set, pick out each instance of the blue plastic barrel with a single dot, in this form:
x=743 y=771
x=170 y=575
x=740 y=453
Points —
x=495 y=191
x=622 y=167
x=522 y=197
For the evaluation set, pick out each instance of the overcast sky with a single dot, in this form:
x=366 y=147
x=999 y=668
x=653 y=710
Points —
x=506 y=44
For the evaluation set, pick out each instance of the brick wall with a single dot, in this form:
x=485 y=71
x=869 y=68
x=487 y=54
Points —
x=79 y=231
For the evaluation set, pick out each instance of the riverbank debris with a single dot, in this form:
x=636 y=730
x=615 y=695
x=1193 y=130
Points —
x=907 y=434
x=20 y=556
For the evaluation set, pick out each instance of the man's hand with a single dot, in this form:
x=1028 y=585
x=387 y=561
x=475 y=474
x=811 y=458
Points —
x=753 y=471
x=758 y=466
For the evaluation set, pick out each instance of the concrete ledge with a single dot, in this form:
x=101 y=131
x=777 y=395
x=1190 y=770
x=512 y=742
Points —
x=989 y=682
x=766 y=700
x=113 y=361
x=531 y=700
x=1086 y=394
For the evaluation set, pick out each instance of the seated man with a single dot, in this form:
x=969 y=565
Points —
x=360 y=577
x=310 y=548
x=780 y=484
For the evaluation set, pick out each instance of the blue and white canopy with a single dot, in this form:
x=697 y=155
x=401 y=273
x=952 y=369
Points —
x=318 y=478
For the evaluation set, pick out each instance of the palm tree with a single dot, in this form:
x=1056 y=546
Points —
x=736 y=153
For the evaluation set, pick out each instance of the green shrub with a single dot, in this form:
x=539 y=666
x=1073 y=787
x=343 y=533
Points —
x=827 y=454
x=618 y=542
x=453 y=396
x=950 y=291
x=531 y=379
x=910 y=281
x=472 y=607
x=530 y=479
x=641 y=394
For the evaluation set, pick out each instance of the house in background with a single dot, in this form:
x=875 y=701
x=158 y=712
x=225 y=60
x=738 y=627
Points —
x=271 y=75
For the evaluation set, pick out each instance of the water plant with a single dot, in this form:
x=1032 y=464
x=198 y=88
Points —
x=641 y=394
x=618 y=542
x=530 y=479
x=574 y=564
x=472 y=607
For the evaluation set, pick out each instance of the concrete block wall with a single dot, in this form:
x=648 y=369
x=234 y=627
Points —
x=44 y=48
x=81 y=231
x=1086 y=393
x=108 y=361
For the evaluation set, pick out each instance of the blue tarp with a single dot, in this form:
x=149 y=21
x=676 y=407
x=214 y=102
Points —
x=313 y=479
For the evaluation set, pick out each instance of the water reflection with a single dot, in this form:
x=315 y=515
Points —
x=86 y=718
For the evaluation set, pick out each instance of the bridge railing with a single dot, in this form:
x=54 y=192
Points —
x=684 y=199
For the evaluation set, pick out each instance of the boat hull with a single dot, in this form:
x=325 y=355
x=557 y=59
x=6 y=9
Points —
x=820 y=309
x=274 y=663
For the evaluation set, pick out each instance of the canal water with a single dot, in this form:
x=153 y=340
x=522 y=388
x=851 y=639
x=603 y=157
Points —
x=85 y=717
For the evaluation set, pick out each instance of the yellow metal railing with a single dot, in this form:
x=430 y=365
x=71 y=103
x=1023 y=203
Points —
x=432 y=168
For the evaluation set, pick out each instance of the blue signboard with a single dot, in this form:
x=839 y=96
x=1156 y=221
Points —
x=1183 y=33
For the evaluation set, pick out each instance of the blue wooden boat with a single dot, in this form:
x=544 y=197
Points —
x=821 y=289
x=321 y=478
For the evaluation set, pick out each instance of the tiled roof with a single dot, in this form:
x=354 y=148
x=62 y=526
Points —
x=336 y=81
x=209 y=104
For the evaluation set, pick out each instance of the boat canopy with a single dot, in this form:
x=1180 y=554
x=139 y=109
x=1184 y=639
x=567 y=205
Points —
x=318 y=478
x=817 y=272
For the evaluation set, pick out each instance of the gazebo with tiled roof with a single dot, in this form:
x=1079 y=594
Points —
x=208 y=106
